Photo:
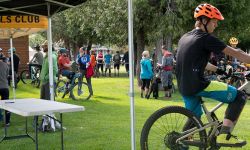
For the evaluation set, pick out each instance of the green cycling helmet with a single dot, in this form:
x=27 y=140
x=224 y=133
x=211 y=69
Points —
x=13 y=48
x=63 y=50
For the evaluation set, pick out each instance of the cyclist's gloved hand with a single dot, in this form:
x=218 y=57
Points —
x=220 y=71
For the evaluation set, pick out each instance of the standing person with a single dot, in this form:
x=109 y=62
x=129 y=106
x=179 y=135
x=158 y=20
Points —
x=93 y=59
x=37 y=59
x=99 y=59
x=117 y=62
x=194 y=49
x=107 y=62
x=83 y=59
x=16 y=61
x=167 y=71
x=4 y=88
x=146 y=73
x=125 y=60
x=44 y=77
x=3 y=58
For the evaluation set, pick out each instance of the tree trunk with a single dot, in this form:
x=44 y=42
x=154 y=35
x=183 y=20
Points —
x=168 y=41
x=158 y=52
x=140 y=48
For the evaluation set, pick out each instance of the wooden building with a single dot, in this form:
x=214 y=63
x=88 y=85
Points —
x=22 y=50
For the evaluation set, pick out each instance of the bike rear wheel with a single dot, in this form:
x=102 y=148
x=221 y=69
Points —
x=166 y=125
x=82 y=93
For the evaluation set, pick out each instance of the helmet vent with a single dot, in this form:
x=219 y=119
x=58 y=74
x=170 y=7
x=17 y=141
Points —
x=209 y=9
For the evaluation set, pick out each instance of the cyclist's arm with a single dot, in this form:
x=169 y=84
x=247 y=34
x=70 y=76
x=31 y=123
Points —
x=67 y=65
x=237 y=53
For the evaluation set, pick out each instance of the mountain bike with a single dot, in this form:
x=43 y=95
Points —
x=75 y=89
x=177 y=128
x=31 y=77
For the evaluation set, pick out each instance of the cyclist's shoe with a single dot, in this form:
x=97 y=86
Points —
x=79 y=92
x=229 y=140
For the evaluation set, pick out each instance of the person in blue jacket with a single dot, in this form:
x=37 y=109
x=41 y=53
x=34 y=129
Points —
x=83 y=59
x=146 y=73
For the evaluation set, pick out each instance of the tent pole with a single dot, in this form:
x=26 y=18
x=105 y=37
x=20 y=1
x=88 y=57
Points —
x=12 y=69
x=49 y=37
x=131 y=73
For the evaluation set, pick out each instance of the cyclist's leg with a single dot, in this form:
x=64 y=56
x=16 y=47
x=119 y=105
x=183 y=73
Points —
x=193 y=104
x=236 y=100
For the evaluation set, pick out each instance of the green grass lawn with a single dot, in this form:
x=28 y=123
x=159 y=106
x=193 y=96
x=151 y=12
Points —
x=105 y=124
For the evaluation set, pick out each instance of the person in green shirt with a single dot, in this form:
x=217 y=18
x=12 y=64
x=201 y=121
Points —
x=44 y=77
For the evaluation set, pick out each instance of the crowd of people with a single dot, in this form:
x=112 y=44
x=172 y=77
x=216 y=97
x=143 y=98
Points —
x=198 y=50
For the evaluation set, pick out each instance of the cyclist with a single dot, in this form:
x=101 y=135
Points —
x=194 y=49
x=65 y=64
x=37 y=59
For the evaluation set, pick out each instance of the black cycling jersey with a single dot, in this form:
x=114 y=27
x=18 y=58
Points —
x=194 y=49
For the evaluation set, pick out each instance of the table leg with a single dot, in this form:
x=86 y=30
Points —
x=26 y=125
x=5 y=126
x=61 y=131
x=36 y=132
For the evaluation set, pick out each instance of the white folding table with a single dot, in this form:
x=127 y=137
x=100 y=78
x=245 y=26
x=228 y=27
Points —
x=36 y=107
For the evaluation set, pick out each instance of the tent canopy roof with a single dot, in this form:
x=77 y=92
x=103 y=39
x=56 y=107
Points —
x=35 y=7
x=31 y=7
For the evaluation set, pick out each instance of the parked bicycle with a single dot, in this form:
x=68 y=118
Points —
x=32 y=76
x=75 y=89
x=177 y=128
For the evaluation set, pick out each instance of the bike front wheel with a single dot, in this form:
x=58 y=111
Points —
x=80 y=91
x=165 y=126
x=60 y=88
x=25 y=77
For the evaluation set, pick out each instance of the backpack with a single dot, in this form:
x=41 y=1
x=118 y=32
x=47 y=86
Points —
x=116 y=58
x=48 y=124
